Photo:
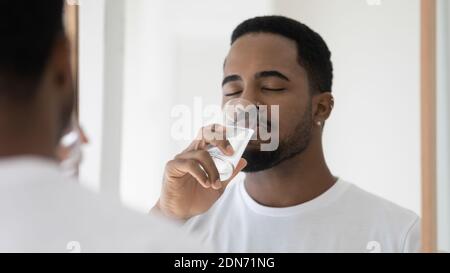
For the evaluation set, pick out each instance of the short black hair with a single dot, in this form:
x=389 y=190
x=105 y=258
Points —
x=28 y=31
x=313 y=52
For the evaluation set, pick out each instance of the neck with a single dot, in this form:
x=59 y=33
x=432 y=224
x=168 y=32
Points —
x=294 y=181
x=25 y=131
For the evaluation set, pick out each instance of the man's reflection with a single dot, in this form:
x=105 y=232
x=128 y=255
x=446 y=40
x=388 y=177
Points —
x=289 y=200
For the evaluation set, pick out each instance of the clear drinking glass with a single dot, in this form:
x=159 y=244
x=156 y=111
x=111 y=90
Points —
x=239 y=124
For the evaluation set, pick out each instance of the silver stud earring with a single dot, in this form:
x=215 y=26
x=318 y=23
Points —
x=319 y=123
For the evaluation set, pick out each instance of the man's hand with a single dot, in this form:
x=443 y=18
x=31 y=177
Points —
x=191 y=183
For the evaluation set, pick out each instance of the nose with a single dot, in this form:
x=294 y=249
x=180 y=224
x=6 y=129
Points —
x=251 y=94
x=244 y=111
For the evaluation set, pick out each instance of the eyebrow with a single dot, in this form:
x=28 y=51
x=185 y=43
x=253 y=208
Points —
x=271 y=73
x=262 y=74
x=231 y=78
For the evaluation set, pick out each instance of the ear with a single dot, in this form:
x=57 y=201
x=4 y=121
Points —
x=61 y=66
x=323 y=104
x=60 y=81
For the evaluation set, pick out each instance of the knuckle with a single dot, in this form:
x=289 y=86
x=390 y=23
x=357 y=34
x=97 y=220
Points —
x=191 y=163
x=203 y=154
x=171 y=163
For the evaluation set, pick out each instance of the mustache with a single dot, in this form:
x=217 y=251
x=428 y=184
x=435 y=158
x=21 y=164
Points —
x=258 y=120
x=258 y=123
x=266 y=123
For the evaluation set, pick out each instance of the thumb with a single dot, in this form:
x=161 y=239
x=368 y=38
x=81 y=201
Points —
x=239 y=167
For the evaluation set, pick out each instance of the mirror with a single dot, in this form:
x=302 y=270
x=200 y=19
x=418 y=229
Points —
x=142 y=63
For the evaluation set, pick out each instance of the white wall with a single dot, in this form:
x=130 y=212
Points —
x=148 y=92
x=101 y=88
x=113 y=97
x=91 y=51
x=174 y=50
x=373 y=136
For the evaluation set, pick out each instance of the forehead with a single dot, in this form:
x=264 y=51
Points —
x=262 y=51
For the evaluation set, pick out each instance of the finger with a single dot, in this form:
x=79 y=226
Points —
x=239 y=167
x=215 y=135
x=191 y=146
x=223 y=184
x=206 y=162
x=223 y=145
x=213 y=130
x=192 y=167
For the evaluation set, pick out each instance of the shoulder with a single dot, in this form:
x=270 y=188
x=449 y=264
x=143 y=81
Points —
x=382 y=207
x=384 y=216
x=126 y=230
x=51 y=210
x=59 y=211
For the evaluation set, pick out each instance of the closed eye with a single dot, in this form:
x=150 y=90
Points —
x=274 y=89
x=233 y=94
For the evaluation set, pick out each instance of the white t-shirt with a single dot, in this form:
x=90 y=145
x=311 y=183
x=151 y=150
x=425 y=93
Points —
x=343 y=219
x=42 y=211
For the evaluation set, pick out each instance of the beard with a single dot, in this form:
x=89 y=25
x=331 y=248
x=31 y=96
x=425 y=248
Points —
x=290 y=146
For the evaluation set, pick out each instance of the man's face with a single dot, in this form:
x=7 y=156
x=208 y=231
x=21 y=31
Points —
x=263 y=69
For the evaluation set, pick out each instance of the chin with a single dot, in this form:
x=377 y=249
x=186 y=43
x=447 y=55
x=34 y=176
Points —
x=255 y=146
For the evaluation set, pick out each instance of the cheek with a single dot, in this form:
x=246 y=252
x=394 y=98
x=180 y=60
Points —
x=290 y=115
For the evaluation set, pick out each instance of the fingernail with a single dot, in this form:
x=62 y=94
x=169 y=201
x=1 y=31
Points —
x=208 y=184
